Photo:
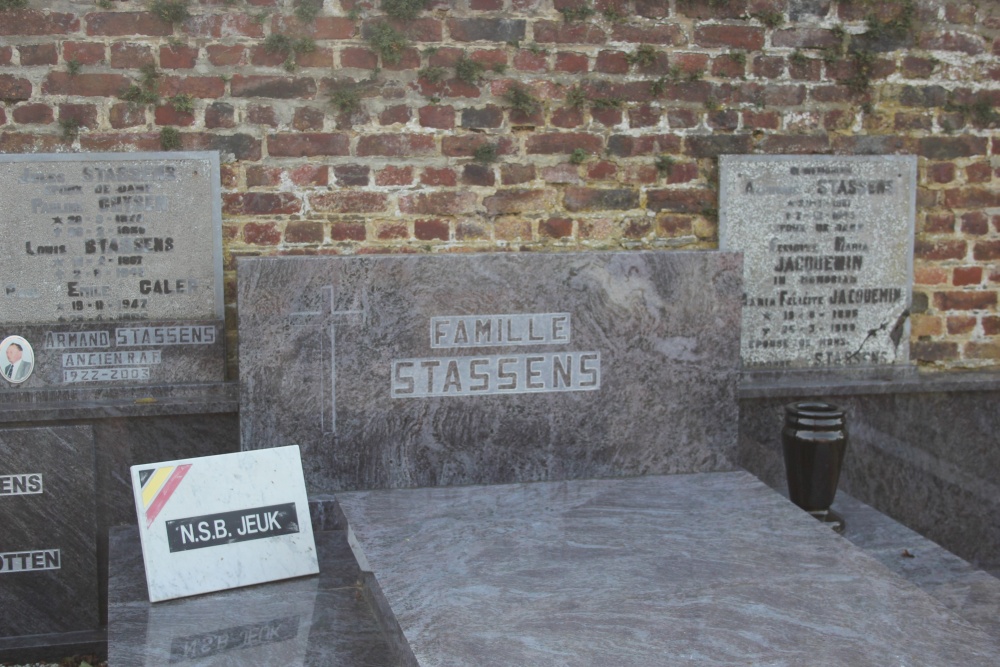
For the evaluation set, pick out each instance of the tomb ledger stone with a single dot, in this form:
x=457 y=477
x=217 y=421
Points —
x=112 y=267
x=828 y=258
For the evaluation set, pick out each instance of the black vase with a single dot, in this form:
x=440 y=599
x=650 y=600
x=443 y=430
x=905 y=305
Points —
x=814 y=441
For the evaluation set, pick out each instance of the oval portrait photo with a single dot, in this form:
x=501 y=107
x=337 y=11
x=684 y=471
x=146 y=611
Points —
x=17 y=359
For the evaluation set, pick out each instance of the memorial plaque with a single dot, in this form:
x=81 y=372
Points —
x=48 y=550
x=828 y=257
x=432 y=371
x=224 y=521
x=112 y=267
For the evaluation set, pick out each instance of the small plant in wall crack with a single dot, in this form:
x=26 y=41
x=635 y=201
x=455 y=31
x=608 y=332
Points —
x=170 y=11
x=468 y=70
x=346 y=98
x=664 y=164
x=6 y=5
x=182 y=103
x=170 y=139
x=146 y=91
x=306 y=11
x=521 y=99
x=485 y=154
x=578 y=156
x=404 y=10
x=388 y=42
x=289 y=47
x=70 y=129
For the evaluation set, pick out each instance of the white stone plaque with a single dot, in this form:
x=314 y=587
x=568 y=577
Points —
x=828 y=257
x=220 y=522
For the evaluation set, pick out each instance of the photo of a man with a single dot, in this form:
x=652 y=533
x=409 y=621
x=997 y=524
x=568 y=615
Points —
x=19 y=359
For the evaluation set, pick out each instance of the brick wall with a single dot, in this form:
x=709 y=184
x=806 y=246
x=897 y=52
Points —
x=571 y=126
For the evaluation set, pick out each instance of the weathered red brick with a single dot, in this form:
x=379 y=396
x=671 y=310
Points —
x=489 y=117
x=178 y=56
x=915 y=67
x=684 y=200
x=261 y=114
x=979 y=172
x=273 y=86
x=940 y=249
x=322 y=27
x=933 y=350
x=119 y=142
x=526 y=61
x=975 y=223
x=961 y=324
x=417 y=30
x=38 y=54
x=762 y=120
x=949 y=148
x=749 y=38
x=436 y=176
x=209 y=87
x=574 y=63
x=938 y=222
x=394 y=175
x=671 y=34
x=228 y=25
x=130 y=55
x=349 y=201
x=438 y=203
x=625 y=145
x=431 y=230
x=260 y=203
x=6 y=53
x=478 y=174
x=963 y=276
x=388 y=231
x=167 y=115
x=715 y=145
x=950 y=40
x=223 y=55
x=728 y=68
x=437 y=116
x=991 y=325
x=556 y=228
x=40 y=114
x=33 y=22
x=600 y=199
x=487 y=29
x=986 y=251
x=768 y=67
x=351 y=174
x=119 y=24
x=795 y=143
x=358 y=57
x=568 y=33
x=260 y=176
x=485 y=5
x=124 y=115
x=399 y=113
x=348 y=231
x=310 y=174
x=307 y=143
x=611 y=62
x=712 y=9
x=972 y=197
x=85 y=53
x=671 y=225
x=517 y=174
x=520 y=201
x=566 y=117
x=395 y=145
x=14 y=89
x=965 y=300
x=83 y=114
x=602 y=170
x=308 y=119
x=262 y=233
x=466 y=145
x=804 y=38
x=564 y=142
x=303 y=231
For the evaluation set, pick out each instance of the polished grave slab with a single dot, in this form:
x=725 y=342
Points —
x=701 y=569
x=317 y=621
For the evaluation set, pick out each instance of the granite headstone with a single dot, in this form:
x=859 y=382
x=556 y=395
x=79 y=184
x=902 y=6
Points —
x=48 y=554
x=440 y=370
x=112 y=267
x=224 y=521
x=828 y=257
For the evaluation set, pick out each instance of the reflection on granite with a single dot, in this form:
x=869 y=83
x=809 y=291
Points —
x=48 y=567
x=970 y=593
x=319 y=621
x=320 y=338
x=703 y=569
x=927 y=459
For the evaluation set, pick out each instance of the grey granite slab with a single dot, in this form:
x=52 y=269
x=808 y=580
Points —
x=828 y=257
x=586 y=365
x=965 y=590
x=319 y=621
x=701 y=569
x=48 y=544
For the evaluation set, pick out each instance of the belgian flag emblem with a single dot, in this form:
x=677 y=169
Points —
x=158 y=484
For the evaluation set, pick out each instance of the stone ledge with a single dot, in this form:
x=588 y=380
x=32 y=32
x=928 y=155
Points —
x=832 y=383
